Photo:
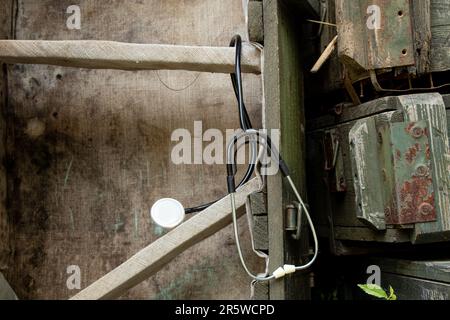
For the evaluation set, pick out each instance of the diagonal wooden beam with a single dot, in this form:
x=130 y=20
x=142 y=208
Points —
x=155 y=256
x=128 y=56
x=6 y=292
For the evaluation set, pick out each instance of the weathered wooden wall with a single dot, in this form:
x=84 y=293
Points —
x=89 y=150
x=5 y=245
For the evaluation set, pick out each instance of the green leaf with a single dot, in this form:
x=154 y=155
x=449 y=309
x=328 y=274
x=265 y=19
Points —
x=374 y=290
x=392 y=295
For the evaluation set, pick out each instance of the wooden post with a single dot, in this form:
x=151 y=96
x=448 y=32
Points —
x=5 y=223
x=283 y=81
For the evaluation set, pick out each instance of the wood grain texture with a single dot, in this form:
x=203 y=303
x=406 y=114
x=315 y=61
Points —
x=421 y=20
x=284 y=97
x=366 y=234
x=434 y=270
x=255 y=21
x=363 y=46
x=352 y=113
x=89 y=151
x=440 y=29
x=408 y=288
x=5 y=221
x=431 y=107
x=129 y=56
x=325 y=55
x=258 y=207
x=6 y=292
x=260 y=233
x=160 y=252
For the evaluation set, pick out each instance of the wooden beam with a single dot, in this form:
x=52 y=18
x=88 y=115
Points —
x=255 y=21
x=283 y=88
x=428 y=269
x=325 y=55
x=155 y=256
x=6 y=292
x=128 y=56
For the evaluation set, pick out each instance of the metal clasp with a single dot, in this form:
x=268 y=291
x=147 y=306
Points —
x=293 y=219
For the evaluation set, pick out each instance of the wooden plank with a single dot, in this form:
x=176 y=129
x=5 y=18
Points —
x=6 y=292
x=255 y=21
x=374 y=37
x=331 y=76
x=271 y=119
x=154 y=257
x=367 y=173
x=128 y=56
x=431 y=107
x=260 y=233
x=408 y=288
x=258 y=204
x=421 y=19
x=440 y=28
x=325 y=55
x=429 y=270
x=261 y=291
x=366 y=234
x=5 y=221
x=284 y=94
x=258 y=207
x=446 y=98
x=367 y=109
x=352 y=113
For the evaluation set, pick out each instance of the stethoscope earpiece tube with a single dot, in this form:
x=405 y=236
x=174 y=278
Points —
x=244 y=119
x=231 y=171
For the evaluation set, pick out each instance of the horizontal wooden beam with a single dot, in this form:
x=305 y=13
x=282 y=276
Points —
x=128 y=56
x=155 y=256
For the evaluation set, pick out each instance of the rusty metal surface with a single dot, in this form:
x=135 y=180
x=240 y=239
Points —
x=414 y=192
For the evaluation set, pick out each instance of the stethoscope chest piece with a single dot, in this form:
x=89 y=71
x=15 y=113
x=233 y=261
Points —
x=167 y=213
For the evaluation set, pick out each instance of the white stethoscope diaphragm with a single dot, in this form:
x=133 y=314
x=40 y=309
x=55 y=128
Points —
x=167 y=213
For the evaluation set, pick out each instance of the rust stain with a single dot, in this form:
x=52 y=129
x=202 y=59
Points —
x=412 y=153
x=428 y=151
x=409 y=127
x=398 y=154
x=413 y=195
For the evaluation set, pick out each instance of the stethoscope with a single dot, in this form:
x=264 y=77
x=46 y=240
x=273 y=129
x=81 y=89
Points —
x=162 y=211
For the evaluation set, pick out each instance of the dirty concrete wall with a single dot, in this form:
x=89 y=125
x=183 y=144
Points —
x=89 y=150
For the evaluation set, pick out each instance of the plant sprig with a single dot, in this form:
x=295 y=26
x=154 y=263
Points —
x=378 y=292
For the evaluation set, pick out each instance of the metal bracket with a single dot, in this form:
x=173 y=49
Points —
x=334 y=164
x=294 y=215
